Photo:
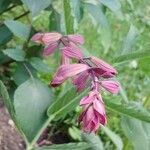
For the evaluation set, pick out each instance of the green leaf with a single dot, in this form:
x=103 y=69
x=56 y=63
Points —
x=69 y=146
x=39 y=65
x=31 y=100
x=4 y=5
x=18 y=29
x=77 y=9
x=114 y=137
x=21 y=73
x=130 y=40
x=35 y=6
x=55 y=21
x=115 y=6
x=97 y=13
x=7 y=35
x=134 y=110
x=8 y=102
x=131 y=56
x=66 y=103
x=68 y=17
x=138 y=132
x=16 y=54
x=93 y=140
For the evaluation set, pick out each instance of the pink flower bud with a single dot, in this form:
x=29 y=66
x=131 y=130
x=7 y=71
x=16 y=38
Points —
x=37 y=38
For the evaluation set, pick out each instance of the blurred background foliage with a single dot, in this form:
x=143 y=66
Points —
x=118 y=32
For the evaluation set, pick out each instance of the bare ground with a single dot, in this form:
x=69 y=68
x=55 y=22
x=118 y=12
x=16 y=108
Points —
x=9 y=137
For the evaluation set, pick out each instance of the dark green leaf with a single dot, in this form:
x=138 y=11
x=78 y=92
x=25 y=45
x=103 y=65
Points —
x=16 y=54
x=8 y=102
x=66 y=103
x=31 y=100
x=35 y=6
x=134 y=110
x=4 y=5
x=69 y=146
x=18 y=29
x=39 y=65
x=6 y=35
x=93 y=140
x=21 y=73
x=68 y=17
x=138 y=132
x=55 y=21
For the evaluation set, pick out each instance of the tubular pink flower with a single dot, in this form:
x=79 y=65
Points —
x=72 y=51
x=49 y=38
x=111 y=86
x=66 y=71
x=50 y=49
x=80 y=80
x=76 y=38
x=108 y=69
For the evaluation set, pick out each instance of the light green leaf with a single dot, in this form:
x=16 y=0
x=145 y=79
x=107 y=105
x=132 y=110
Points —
x=69 y=146
x=97 y=13
x=113 y=5
x=93 y=140
x=131 y=56
x=39 y=65
x=18 y=29
x=138 y=132
x=134 y=110
x=35 y=6
x=130 y=40
x=68 y=17
x=31 y=100
x=114 y=137
x=16 y=54
x=66 y=103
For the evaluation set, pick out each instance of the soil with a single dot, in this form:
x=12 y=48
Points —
x=9 y=137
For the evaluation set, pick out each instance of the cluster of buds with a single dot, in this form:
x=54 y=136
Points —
x=86 y=71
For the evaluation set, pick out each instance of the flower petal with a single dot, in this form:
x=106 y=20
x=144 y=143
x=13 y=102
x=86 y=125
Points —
x=72 y=51
x=50 y=49
x=76 y=38
x=80 y=80
x=66 y=71
x=49 y=38
x=111 y=86
x=64 y=59
x=104 y=66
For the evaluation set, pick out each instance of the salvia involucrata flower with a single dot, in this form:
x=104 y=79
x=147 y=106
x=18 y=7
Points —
x=87 y=71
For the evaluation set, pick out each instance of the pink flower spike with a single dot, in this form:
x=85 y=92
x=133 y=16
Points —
x=104 y=66
x=50 y=49
x=37 y=37
x=49 y=38
x=111 y=86
x=76 y=38
x=72 y=51
x=66 y=71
